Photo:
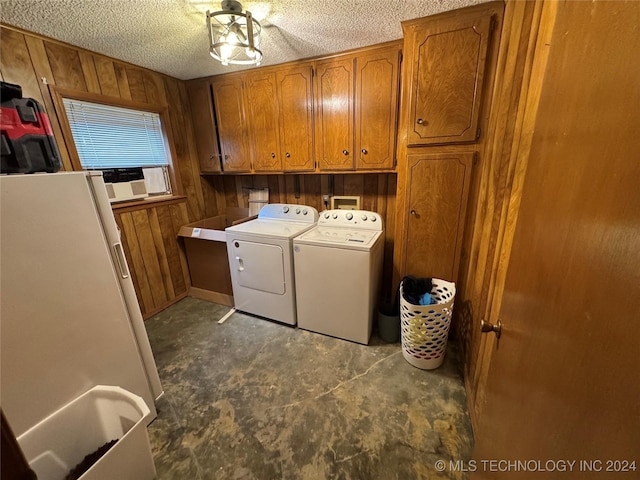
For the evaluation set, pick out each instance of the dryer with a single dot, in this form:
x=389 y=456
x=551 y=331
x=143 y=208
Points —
x=338 y=269
x=261 y=260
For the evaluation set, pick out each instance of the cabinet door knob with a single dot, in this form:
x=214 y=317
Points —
x=413 y=212
x=420 y=121
x=273 y=155
x=346 y=152
x=364 y=151
x=287 y=155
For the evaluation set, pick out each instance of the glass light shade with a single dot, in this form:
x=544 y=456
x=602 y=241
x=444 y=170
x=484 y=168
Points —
x=234 y=37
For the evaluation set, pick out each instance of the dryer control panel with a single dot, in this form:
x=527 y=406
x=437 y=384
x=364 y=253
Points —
x=295 y=213
x=359 y=219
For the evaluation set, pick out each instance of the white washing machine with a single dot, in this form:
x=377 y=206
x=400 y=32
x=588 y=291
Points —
x=338 y=268
x=261 y=260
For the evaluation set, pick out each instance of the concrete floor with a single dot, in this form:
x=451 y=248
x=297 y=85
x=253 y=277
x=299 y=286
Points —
x=253 y=399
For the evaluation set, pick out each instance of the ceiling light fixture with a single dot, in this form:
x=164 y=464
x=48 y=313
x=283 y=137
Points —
x=234 y=37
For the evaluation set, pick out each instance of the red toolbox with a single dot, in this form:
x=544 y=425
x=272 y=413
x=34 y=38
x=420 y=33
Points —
x=28 y=144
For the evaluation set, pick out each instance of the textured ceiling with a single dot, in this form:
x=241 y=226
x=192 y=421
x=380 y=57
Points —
x=170 y=36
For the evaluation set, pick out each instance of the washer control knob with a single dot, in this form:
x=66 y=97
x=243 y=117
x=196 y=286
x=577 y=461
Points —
x=349 y=216
x=285 y=209
x=305 y=211
x=374 y=218
x=297 y=211
x=326 y=215
x=364 y=218
x=335 y=215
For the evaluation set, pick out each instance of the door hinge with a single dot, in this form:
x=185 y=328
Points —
x=492 y=24
x=478 y=133
x=475 y=158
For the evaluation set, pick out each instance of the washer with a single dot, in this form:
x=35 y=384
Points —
x=338 y=268
x=261 y=260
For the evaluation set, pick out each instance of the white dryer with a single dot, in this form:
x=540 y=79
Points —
x=338 y=269
x=261 y=260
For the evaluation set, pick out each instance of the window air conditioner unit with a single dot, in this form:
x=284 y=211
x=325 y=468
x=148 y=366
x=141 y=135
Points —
x=122 y=191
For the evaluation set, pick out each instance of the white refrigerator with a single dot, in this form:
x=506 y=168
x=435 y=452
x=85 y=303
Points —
x=69 y=317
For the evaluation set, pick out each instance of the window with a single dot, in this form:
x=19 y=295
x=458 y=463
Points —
x=127 y=144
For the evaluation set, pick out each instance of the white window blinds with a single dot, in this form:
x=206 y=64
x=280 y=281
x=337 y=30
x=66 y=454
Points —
x=115 y=137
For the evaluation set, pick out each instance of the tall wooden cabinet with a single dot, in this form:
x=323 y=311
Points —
x=447 y=58
x=232 y=126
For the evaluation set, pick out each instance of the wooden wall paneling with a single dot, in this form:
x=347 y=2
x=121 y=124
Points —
x=16 y=65
x=312 y=189
x=106 y=76
x=65 y=66
x=370 y=197
x=136 y=84
x=519 y=72
x=123 y=80
x=338 y=185
x=186 y=159
x=274 y=189
x=290 y=190
x=229 y=188
x=89 y=72
x=154 y=87
x=389 y=199
x=179 y=217
x=149 y=256
x=23 y=61
x=146 y=300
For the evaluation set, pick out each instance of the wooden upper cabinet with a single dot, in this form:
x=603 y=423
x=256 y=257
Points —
x=334 y=113
x=376 y=108
x=295 y=102
x=445 y=57
x=262 y=108
x=229 y=105
x=204 y=125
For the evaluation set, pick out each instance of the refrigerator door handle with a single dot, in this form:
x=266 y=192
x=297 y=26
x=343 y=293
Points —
x=121 y=260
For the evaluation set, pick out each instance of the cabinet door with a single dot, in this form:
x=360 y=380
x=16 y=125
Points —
x=438 y=187
x=204 y=125
x=376 y=108
x=334 y=114
x=262 y=109
x=295 y=96
x=448 y=57
x=227 y=95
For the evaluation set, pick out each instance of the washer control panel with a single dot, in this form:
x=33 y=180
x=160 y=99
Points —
x=295 y=213
x=351 y=218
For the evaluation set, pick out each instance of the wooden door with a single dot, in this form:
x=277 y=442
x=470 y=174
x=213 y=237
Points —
x=228 y=100
x=446 y=63
x=438 y=188
x=262 y=109
x=376 y=108
x=295 y=97
x=334 y=114
x=563 y=381
x=204 y=125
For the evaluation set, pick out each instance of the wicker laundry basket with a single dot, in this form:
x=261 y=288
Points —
x=425 y=328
